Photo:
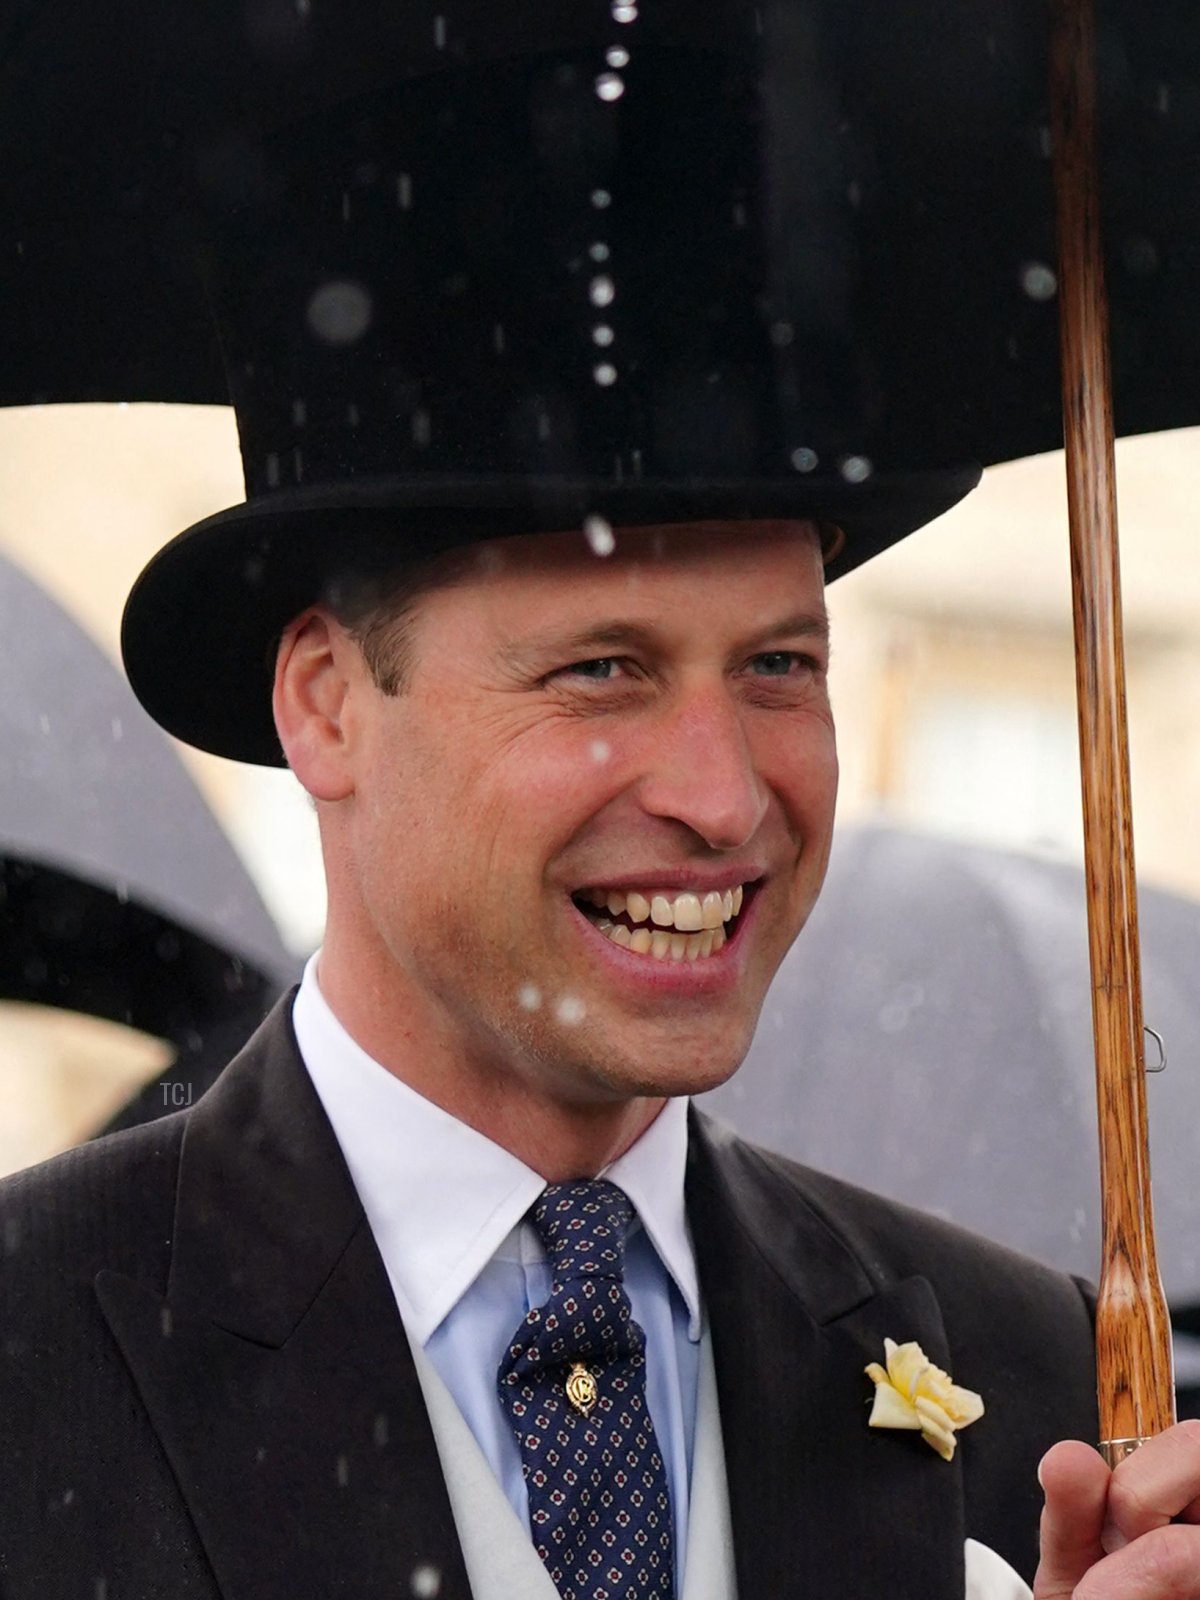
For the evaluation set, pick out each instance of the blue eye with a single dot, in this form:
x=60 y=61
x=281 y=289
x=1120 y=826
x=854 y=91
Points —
x=779 y=663
x=599 y=670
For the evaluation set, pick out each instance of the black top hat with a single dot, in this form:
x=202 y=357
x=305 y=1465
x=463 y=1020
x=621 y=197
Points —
x=621 y=275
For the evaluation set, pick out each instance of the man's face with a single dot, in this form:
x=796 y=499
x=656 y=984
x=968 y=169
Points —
x=640 y=742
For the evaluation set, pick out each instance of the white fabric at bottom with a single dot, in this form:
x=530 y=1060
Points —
x=989 y=1576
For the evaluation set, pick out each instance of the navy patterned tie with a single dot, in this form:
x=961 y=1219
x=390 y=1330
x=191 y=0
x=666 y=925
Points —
x=573 y=1385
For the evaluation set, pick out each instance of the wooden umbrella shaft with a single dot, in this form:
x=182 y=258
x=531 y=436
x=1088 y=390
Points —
x=1133 y=1334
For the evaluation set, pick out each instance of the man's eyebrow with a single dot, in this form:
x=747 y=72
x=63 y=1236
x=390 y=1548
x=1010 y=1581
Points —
x=618 y=635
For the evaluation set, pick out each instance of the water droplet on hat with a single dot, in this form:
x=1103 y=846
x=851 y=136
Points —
x=601 y=291
x=1139 y=255
x=610 y=86
x=605 y=374
x=1038 y=280
x=599 y=535
x=529 y=997
x=618 y=56
x=602 y=334
x=856 y=469
x=804 y=459
x=426 y=1582
x=339 y=312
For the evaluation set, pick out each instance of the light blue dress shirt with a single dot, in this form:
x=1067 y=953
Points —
x=448 y=1209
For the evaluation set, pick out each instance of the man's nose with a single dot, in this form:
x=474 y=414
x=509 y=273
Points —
x=701 y=770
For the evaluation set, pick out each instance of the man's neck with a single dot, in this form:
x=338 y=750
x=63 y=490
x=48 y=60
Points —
x=560 y=1140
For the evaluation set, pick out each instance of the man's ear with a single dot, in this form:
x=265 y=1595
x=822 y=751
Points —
x=314 y=666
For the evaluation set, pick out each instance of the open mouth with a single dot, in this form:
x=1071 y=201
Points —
x=667 y=924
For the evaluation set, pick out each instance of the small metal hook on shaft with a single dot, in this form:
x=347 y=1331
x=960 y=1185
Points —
x=1162 y=1051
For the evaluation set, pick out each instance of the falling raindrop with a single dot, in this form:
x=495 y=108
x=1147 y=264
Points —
x=1038 y=280
x=598 y=252
x=345 y=205
x=352 y=417
x=421 y=428
x=44 y=722
x=600 y=751
x=339 y=312
x=804 y=459
x=599 y=534
x=856 y=469
x=68 y=1497
x=602 y=334
x=380 y=1430
x=253 y=569
x=122 y=405
x=118 y=730
x=601 y=290
x=782 y=334
x=609 y=86
x=601 y=199
x=854 y=194
x=303 y=8
x=343 y=1472
x=298 y=464
x=529 y=997
x=618 y=56
x=498 y=339
x=165 y=1325
x=624 y=11
x=1162 y=99
x=570 y=1010
x=426 y=1582
x=404 y=191
x=605 y=374
x=1140 y=256
x=272 y=470
x=299 y=413
x=739 y=216
x=439 y=33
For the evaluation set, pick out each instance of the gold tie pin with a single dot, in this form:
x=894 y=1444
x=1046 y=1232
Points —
x=581 y=1388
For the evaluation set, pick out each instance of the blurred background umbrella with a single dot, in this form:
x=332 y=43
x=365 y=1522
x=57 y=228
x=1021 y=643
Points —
x=120 y=896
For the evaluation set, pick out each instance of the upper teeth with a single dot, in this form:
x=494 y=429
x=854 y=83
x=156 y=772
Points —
x=665 y=909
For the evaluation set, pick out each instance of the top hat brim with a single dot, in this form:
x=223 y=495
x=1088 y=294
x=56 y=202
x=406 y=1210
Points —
x=203 y=620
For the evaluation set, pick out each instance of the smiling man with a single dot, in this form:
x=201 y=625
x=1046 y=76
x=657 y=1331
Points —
x=556 y=419
x=569 y=855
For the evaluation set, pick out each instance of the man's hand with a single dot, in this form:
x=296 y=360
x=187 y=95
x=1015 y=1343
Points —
x=1121 y=1535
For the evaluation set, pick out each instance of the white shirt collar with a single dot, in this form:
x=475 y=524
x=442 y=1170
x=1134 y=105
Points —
x=403 y=1151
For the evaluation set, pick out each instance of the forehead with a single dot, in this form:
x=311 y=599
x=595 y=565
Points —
x=700 y=562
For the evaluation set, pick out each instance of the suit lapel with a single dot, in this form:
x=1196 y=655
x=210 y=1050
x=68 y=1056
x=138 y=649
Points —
x=275 y=1368
x=820 y=1503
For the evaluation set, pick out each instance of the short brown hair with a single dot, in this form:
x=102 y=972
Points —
x=376 y=603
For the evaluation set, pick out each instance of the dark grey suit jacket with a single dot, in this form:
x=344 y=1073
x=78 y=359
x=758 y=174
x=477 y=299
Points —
x=205 y=1388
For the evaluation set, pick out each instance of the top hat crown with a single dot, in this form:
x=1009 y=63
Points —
x=619 y=274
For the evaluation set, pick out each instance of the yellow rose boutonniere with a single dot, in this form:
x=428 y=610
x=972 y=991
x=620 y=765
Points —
x=912 y=1393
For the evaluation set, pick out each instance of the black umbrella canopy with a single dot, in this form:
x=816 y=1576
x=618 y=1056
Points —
x=120 y=896
x=928 y=134
x=930 y=1036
